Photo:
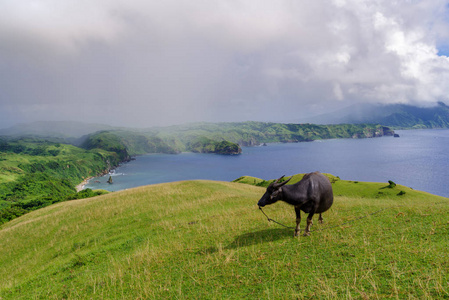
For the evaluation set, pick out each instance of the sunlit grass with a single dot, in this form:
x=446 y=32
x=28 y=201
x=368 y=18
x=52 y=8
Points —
x=207 y=240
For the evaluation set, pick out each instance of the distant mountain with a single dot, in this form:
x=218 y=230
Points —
x=354 y=114
x=65 y=130
x=407 y=116
x=394 y=115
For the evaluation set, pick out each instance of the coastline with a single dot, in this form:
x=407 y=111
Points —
x=81 y=186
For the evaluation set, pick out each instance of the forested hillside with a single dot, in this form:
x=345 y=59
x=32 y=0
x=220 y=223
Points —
x=196 y=137
x=255 y=133
x=223 y=138
x=127 y=143
x=36 y=173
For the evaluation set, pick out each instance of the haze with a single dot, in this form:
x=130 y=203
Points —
x=149 y=63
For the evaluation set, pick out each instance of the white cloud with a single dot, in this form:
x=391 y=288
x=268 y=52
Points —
x=61 y=25
x=338 y=93
x=199 y=56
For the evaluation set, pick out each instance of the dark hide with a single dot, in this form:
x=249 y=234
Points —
x=313 y=194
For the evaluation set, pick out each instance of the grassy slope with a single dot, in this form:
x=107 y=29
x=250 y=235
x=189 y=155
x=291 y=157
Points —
x=205 y=239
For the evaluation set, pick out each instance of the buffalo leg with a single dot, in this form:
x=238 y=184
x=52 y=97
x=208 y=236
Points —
x=320 y=219
x=298 y=220
x=309 y=223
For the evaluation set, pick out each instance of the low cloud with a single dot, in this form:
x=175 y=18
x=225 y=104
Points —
x=145 y=63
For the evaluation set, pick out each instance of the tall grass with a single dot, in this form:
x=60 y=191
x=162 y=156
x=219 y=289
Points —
x=205 y=239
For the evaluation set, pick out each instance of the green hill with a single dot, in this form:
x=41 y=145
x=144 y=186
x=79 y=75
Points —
x=255 y=133
x=223 y=138
x=207 y=240
x=195 y=137
x=35 y=173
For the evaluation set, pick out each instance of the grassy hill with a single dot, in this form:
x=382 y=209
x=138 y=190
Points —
x=207 y=240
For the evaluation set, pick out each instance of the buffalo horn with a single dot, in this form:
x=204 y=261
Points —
x=277 y=180
x=278 y=185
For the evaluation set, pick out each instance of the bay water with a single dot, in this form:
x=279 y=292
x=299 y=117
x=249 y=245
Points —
x=418 y=159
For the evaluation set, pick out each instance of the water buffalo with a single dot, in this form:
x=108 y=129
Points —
x=313 y=194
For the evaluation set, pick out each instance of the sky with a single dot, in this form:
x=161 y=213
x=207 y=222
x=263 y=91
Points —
x=144 y=63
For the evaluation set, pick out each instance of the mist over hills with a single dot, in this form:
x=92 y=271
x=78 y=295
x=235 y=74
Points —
x=397 y=116
x=394 y=115
x=58 y=129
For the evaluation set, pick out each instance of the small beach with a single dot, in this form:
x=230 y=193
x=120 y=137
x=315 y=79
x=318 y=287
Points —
x=81 y=186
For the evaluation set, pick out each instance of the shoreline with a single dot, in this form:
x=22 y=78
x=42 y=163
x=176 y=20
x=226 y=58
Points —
x=81 y=186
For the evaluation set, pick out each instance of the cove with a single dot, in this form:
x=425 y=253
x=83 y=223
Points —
x=417 y=159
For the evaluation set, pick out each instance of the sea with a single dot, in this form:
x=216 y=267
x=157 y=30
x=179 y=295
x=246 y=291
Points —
x=417 y=158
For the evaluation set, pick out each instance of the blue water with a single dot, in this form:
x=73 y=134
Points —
x=418 y=159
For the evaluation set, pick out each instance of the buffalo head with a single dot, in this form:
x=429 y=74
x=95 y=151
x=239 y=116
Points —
x=273 y=193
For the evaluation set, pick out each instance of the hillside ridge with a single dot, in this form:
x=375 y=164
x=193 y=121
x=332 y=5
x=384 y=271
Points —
x=206 y=239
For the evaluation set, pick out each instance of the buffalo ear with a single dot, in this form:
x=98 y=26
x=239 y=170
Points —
x=275 y=193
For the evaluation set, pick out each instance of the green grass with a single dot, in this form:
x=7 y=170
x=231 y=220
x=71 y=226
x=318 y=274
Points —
x=207 y=240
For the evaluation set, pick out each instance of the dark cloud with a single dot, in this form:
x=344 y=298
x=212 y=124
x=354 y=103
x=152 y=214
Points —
x=145 y=63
